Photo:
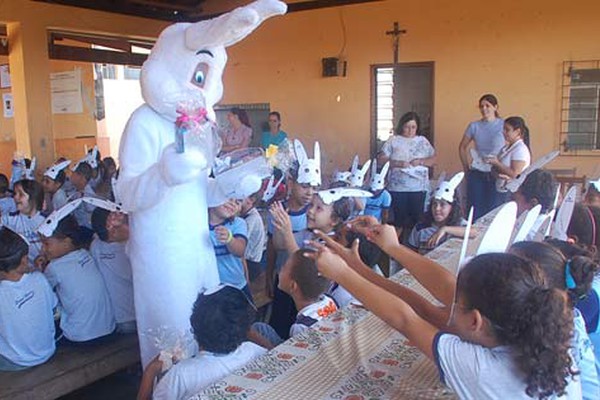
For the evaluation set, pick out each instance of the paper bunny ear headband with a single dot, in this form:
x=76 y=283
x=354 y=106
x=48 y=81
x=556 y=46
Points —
x=378 y=179
x=49 y=225
x=342 y=176
x=90 y=158
x=330 y=196
x=55 y=169
x=357 y=175
x=446 y=189
x=309 y=169
x=29 y=173
x=514 y=184
x=271 y=189
x=595 y=184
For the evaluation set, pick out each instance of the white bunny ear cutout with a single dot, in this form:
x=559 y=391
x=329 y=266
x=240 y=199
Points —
x=330 y=196
x=309 y=169
x=445 y=190
x=113 y=183
x=271 y=189
x=462 y=259
x=54 y=170
x=556 y=196
x=378 y=179
x=595 y=184
x=301 y=155
x=563 y=215
x=49 y=225
x=29 y=173
x=497 y=236
x=542 y=226
x=354 y=167
x=525 y=224
x=232 y=27
x=357 y=178
x=514 y=184
x=104 y=204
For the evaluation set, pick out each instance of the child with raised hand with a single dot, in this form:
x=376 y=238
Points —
x=300 y=279
x=108 y=250
x=29 y=199
x=7 y=203
x=512 y=332
x=86 y=310
x=229 y=235
x=220 y=321
x=443 y=220
x=26 y=308
x=574 y=276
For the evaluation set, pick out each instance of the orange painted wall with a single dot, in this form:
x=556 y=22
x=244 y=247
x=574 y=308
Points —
x=511 y=48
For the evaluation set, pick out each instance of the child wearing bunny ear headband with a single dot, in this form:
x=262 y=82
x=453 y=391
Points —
x=53 y=181
x=443 y=220
x=379 y=205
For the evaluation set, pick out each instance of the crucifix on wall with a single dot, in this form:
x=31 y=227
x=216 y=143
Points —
x=395 y=33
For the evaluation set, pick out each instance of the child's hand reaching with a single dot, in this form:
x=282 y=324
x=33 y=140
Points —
x=329 y=264
x=384 y=236
x=435 y=239
x=349 y=255
x=281 y=219
x=223 y=234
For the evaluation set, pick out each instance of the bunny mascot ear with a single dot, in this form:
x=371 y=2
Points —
x=232 y=27
x=514 y=184
x=563 y=215
x=54 y=170
x=330 y=196
x=525 y=224
x=49 y=225
x=445 y=190
x=497 y=236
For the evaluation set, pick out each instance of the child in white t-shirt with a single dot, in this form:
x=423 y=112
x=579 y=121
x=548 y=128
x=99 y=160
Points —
x=220 y=321
x=257 y=234
x=85 y=309
x=80 y=179
x=108 y=249
x=26 y=308
x=29 y=198
x=53 y=182
x=503 y=333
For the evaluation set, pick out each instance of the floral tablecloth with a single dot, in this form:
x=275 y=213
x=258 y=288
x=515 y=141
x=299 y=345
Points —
x=351 y=355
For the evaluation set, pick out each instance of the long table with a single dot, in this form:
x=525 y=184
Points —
x=350 y=355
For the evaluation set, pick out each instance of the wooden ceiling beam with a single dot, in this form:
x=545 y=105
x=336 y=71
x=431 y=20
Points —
x=83 y=54
x=317 y=4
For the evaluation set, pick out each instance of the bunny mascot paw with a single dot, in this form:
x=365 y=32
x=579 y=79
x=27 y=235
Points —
x=165 y=191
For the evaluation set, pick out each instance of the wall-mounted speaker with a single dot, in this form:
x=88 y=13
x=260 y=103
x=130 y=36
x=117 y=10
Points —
x=334 y=66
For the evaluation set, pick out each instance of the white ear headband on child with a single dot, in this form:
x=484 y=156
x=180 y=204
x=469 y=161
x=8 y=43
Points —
x=342 y=176
x=55 y=169
x=29 y=173
x=330 y=196
x=49 y=225
x=514 y=184
x=596 y=184
x=446 y=189
x=89 y=158
x=309 y=169
x=271 y=189
x=357 y=176
x=378 y=179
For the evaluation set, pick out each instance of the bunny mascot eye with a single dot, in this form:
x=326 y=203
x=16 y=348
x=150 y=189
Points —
x=163 y=188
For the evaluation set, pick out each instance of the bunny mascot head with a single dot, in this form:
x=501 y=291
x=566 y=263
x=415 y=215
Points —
x=164 y=189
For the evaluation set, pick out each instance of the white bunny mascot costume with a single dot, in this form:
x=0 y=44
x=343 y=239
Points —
x=165 y=191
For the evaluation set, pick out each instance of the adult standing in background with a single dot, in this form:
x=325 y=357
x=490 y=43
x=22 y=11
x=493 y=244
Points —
x=239 y=132
x=486 y=134
x=410 y=155
x=274 y=135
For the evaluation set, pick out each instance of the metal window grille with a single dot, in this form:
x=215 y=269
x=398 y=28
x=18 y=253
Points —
x=384 y=102
x=580 y=108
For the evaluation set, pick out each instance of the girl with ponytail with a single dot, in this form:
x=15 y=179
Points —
x=574 y=276
x=513 y=158
x=510 y=332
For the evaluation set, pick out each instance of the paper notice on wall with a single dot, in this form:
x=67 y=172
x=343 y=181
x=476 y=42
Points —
x=65 y=88
x=4 y=76
x=8 y=105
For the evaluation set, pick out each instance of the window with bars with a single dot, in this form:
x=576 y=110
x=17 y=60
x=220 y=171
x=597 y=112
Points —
x=580 y=114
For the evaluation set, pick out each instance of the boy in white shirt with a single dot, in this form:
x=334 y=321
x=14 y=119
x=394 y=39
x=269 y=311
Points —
x=108 y=249
x=26 y=308
x=220 y=321
x=80 y=179
x=257 y=235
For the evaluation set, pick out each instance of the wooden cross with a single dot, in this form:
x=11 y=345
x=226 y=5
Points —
x=396 y=32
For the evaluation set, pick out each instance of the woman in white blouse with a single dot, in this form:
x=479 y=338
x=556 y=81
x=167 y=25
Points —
x=513 y=158
x=410 y=155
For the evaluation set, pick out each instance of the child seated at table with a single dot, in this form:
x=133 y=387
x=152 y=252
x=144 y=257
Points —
x=108 y=250
x=300 y=279
x=7 y=203
x=501 y=323
x=85 y=310
x=220 y=321
x=229 y=235
x=574 y=276
x=26 y=308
